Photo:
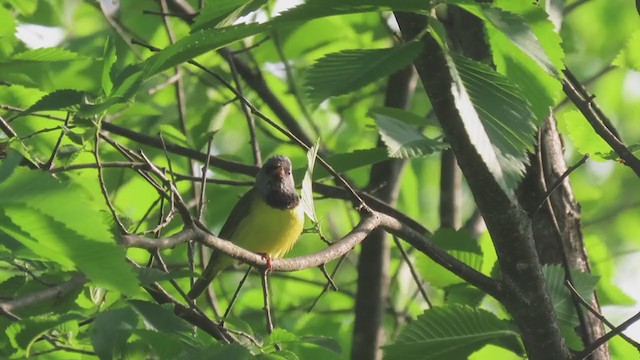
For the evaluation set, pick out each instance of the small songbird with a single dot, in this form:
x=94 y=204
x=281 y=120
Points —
x=267 y=220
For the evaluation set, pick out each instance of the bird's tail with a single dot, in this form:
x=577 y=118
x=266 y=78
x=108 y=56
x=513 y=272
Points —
x=214 y=267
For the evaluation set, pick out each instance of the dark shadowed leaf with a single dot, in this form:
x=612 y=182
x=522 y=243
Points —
x=403 y=140
x=346 y=71
x=58 y=100
x=452 y=332
x=562 y=300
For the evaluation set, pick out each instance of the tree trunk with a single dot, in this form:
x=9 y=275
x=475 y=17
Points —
x=556 y=225
x=373 y=263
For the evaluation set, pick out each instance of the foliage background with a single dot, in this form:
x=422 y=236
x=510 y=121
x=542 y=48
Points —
x=597 y=39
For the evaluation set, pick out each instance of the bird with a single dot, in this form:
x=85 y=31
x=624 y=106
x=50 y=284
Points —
x=268 y=219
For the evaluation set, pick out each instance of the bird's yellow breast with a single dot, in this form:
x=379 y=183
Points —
x=269 y=230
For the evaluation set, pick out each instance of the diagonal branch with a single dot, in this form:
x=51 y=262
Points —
x=587 y=106
x=368 y=223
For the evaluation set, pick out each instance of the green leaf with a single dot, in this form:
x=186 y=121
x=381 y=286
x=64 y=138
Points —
x=315 y=9
x=23 y=7
x=24 y=333
x=346 y=71
x=46 y=55
x=460 y=245
x=58 y=100
x=151 y=275
x=223 y=13
x=279 y=336
x=109 y=58
x=452 y=332
x=346 y=162
x=7 y=31
x=402 y=140
x=515 y=28
x=307 y=187
x=542 y=89
x=582 y=135
x=159 y=318
x=505 y=115
x=405 y=116
x=629 y=56
x=328 y=343
x=110 y=331
x=59 y=223
x=562 y=299
x=197 y=44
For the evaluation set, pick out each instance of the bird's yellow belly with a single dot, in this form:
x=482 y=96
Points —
x=268 y=230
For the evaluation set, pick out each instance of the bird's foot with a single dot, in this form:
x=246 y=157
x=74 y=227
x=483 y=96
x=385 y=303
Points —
x=267 y=258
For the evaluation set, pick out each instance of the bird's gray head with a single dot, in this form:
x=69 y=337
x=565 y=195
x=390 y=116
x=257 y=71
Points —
x=275 y=183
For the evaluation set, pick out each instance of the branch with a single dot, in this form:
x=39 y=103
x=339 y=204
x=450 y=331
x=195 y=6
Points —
x=7 y=307
x=587 y=106
x=368 y=223
x=602 y=340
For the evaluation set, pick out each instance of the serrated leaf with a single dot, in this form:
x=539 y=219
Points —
x=46 y=55
x=452 y=332
x=223 y=13
x=197 y=44
x=347 y=161
x=582 y=135
x=109 y=57
x=158 y=317
x=561 y=297
x=172 y=134
x=460 y=245
x=497 y=117
x=629 y=56
x=328 y=343
x=279 y=336
x=24 y=333
x=514 y=27
x=542 y=89
x=61 y=223
x=405 y=116
x=58 y=100
x=315 y=9
x=402 y=140
x=346 y=71
x=110 y=331
x=307 y=187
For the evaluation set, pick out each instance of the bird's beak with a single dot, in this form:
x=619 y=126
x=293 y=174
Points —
x=280 y=172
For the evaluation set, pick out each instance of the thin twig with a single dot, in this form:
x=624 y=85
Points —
x=559 y=181
x=257 y=157
x=7 y=307
x=293 y=89
x=597 y=314
x=323 y=268
x=359 y=203
x=326 y=286
x=49 y=164
x=267 y=306
x=414 y=273
x=103 y=186
x=6 y=128
x=608 y=336
x=574 y=5
x=587 y=106
x=235 y=295
x=203 y=185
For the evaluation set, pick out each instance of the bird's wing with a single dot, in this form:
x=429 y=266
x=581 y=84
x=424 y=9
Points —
x=238 y=212
x=217 y=261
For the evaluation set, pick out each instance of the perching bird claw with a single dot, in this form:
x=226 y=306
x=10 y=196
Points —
x=268 y=259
